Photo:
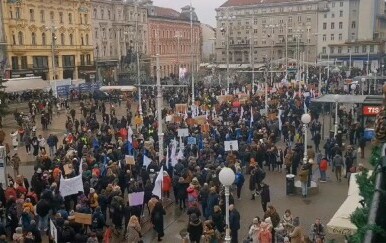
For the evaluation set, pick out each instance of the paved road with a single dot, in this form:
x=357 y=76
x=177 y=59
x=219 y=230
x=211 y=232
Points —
x=322 y=205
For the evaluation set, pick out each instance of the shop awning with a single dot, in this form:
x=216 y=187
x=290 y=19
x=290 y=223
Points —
x=349 y=99
x=24 y=84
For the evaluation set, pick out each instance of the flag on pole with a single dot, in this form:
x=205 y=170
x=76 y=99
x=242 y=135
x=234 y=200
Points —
x=250 y=136
x=251 y=121
x=173 y=155
x=146 y=161
x=130 y=134
x=157 y=190
x=167 y=157
x=180 y=154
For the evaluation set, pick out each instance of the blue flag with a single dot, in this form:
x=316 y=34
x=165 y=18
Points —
x=129 y=148
x=250 y=136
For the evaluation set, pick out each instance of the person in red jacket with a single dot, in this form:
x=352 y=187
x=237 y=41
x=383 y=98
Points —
x=167 y=184
x=323 y=169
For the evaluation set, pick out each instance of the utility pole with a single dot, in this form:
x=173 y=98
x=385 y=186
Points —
x=159 y=112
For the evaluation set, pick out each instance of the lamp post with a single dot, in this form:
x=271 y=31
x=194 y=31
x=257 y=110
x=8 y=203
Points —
x=336 y=97
x=363 y=80
x=227 y=177
x=227 y=18
x=137 y=55
x=178 y=36
x=306 y=119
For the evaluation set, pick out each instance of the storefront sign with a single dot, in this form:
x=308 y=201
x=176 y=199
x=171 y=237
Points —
x=371 y=110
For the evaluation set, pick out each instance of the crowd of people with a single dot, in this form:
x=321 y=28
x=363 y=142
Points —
x=98 y=141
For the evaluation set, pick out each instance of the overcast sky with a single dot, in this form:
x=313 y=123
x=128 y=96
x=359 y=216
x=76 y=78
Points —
x=205 y=9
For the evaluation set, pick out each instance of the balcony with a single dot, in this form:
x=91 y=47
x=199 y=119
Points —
x=240 y=45
x=85 y=64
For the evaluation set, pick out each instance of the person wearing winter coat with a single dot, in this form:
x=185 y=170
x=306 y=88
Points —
x=218 y=219
x=192 y=196
x=265 y=235
x=166 y=184
x=157 y=219
x=265 y=196
x=234 y=223
x=195 y=228
x=42 y=210
x=182 y=193
x=133 y=234
x=254 y=231
x=239 y=181
x=213 y=199
x=297 y=233
x=338 y=163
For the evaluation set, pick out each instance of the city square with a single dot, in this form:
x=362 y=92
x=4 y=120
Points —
x=131 y=121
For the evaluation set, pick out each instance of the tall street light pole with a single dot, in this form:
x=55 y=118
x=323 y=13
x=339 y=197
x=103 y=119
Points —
x=252 y=56
x=191 y=49
x=138 y=61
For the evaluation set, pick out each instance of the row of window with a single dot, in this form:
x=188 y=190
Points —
x=68 y=61
x=20 y=39
x=83 y=17
x=273 y=10
x=340 y=25
x=356 y=49
x=119 y=16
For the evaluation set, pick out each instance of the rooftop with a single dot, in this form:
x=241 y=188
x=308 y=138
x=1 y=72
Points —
x=235 y=3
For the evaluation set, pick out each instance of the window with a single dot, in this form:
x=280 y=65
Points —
x=324 y=37
x=62 y=39
x=332 y=37
x=341 y=4
x=289 y=19
x=82 y=60
x=332 y=25
x=87 y=43
x=356 y=49
x=88 y=59
x=24 y=63
x=341 y=13
x=308 y=19
x=33 y=39
x=15 y=63
x=17 y=13
x=324 y=50
x=325 y=16
x=52 y=16
x=82 y=40
x=371 y=48
x=109 y=14
x=102 y=14
x=85 y=19
x=11 y=14
x=96 y=33
x=81 y=18
x=44 y=41
x=95 y=13
x=61 y=17
x=70 y=18
x=71 y=40
x=42 y=16
x=68 y=61
x=333 y=4
x=340 y=25
x=339 y=50
x=332 y=49
x=353 y=24
x=32 y=15
x=255 y=31
x=40 y=61
x=364 y=49
x=13 y=39
x=340 y=37
x=332 y=15
x=20 y=38
x=324 y=26
x=299 y=18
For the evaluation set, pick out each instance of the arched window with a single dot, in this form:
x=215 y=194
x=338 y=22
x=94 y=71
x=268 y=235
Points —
x=71 y=40
x=87 y=39
x=62 y=39
x=44 y=42
x=95 y=13
x=82 y=40
x=20 y=38
x=33 y=38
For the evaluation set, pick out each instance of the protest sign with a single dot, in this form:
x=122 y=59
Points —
x=129 y=160
x=136 y=198
x=83 y=218
x=232 y=145
x=71 y=186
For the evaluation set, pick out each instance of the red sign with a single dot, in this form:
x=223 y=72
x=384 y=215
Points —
x=371 y=110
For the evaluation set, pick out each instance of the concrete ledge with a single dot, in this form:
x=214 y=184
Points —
x=312 y=190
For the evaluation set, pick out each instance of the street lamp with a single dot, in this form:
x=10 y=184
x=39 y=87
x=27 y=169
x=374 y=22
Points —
x=306 y=119
x=227 y=18
x=227 y=177
x=336 y=99
x=178 y=36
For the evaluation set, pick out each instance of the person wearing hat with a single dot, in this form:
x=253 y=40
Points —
x=195 y=228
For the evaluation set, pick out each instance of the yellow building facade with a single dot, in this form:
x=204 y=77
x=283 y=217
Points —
x=49 y=38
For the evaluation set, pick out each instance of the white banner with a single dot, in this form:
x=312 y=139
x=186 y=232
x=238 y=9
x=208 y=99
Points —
x=71 y=186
